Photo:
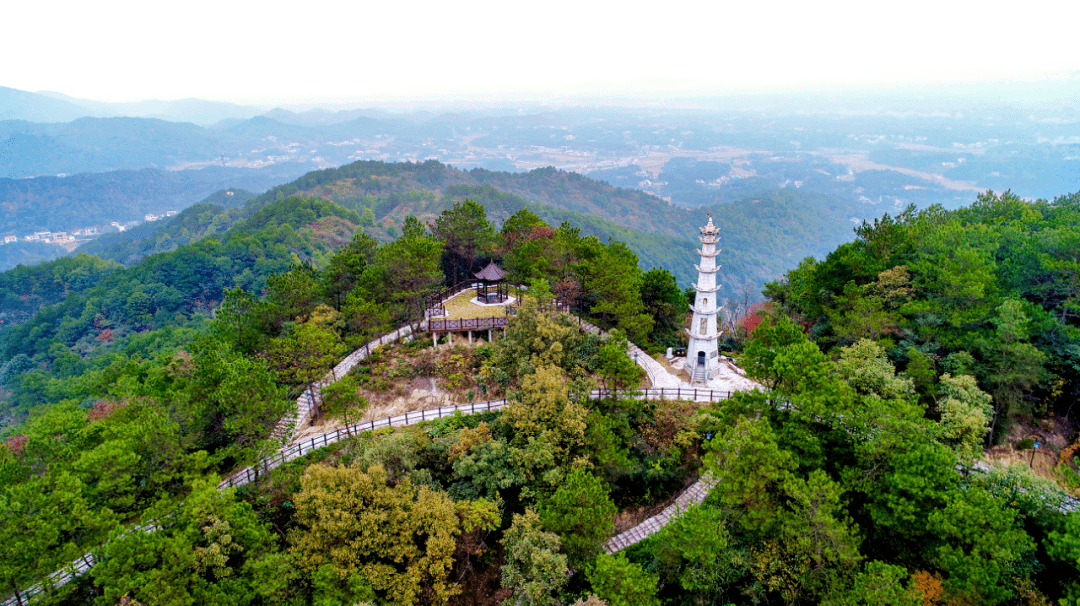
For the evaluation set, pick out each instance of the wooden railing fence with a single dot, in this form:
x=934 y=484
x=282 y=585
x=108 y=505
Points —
x=466 y=324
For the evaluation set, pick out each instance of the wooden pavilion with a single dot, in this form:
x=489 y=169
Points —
x=491 y=289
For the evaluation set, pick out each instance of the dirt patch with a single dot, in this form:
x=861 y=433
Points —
x=630 y=517
x=677 y=369
x=663 y=361
x=1053 y=434
x=410 y=378
x=1042 y=463
x=1053 y=437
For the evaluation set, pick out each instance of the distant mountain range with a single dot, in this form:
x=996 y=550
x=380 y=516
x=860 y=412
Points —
x=829 y=161
x=762 y=236
x=57 y=107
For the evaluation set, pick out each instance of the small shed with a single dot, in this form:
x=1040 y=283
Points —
x=491 y=289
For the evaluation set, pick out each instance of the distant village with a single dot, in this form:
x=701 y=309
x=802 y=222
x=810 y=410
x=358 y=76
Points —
x=63 y=237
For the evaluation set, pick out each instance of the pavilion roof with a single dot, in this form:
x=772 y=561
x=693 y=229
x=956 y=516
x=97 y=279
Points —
x=491 y=273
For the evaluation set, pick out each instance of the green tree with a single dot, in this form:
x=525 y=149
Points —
x=750 y=466
x=45 y=523
x=342 y=398
x=517 y=228
x=818 y=530
x=364 y=319
x=545 y=412
x=492 y=466
x=534 y=339
x=666 y=304
x=238 y=320
x=698 y=550
x=769 y=338
x=919 y=481
x=620 y=582
x=465 y=232
x=1015 y=366
x=1065 y=546
x=866 y=368
x=965 y=415
x=582 y=513
x=305 y=355
x=618 y=292
x=880 y=584
x=227 y=400
x=981 y=543
x=412 y=228
x=367 y=219
x=411 y=264
x=291 y=296
x=616 y=366
x=346 y=267
x=534 y=568
x=401 y=538
x=202 y=556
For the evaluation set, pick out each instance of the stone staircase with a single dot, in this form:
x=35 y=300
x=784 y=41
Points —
x=699 y=375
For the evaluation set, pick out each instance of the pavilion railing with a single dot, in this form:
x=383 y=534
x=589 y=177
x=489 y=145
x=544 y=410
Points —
x=466 y=324
x=434 y=305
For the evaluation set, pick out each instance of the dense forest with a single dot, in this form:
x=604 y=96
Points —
x=860 y=474
x=188 y=355
x=66 y=203
x=762 y=234
x=988 y=291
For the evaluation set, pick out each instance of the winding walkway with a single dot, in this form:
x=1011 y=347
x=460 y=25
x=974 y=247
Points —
x=286 y=430
x=694 y=495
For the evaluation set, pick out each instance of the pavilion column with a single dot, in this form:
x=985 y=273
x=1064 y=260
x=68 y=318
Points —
x=470 y=337
x=435 y=340
x=489 y=335
x=450 y=338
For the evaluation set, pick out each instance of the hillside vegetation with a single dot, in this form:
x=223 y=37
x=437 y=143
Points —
x=989 y=291
x=215 y=215
x=762 y=236
x=76 y=201
x=854 y=480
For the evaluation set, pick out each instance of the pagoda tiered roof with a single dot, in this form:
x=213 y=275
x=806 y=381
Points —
x=701 y=337
x=706 y=271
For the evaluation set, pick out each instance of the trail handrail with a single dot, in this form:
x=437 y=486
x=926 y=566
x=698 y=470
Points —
x=295 y=451
x=302 y=413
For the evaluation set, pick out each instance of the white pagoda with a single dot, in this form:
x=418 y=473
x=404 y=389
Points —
x=702 y=353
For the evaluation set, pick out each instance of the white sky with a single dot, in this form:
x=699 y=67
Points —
x=276 y=53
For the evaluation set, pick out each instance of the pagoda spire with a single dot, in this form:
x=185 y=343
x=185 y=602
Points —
x=703 y=353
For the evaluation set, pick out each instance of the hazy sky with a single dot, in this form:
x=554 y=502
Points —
x=345 y=52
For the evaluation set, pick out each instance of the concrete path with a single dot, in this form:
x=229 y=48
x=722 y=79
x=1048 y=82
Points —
x=731 y=378
x=694 y=495
x=286 y=431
